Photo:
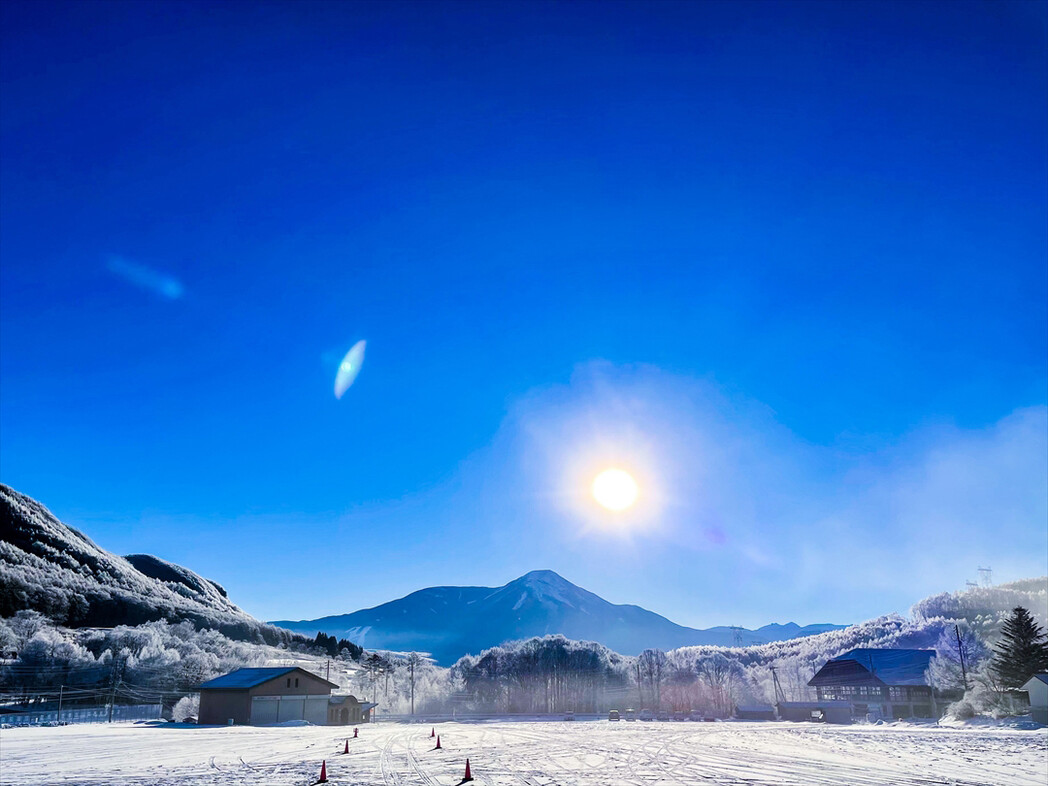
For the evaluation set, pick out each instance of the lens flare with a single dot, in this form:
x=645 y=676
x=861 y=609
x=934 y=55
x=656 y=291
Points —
x=615 y=489
x=349 y=368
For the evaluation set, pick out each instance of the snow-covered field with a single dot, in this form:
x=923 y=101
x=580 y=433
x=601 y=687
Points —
x=503 y=753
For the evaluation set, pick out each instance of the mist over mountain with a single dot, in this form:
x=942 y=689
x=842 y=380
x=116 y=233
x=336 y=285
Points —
x=49 y=567
x=449 y=622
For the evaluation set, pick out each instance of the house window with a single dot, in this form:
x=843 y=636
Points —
x=289 y=682
x=897 y=694
x=296 y=682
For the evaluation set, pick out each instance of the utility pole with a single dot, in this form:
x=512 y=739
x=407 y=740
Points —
x=112 y=698
x=329 y=670
x=411 y=665
x=780 y=697
x=61 y=691
x=112 y=693
x=960 y=652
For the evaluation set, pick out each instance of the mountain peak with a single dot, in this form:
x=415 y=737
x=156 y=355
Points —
x=543 y=577
x=449 y=622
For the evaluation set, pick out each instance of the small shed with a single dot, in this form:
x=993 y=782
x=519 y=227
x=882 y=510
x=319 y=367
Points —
x=344 y=709
x=815 y=711
x=260 y=697
x=755 y=712
x=1037 y=689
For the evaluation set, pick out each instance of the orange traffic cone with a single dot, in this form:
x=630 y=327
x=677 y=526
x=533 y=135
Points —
x=469 y=775
x=354 y=732
x=347 y=747
x=323 y=772
x=432 y=733
x=438 y=744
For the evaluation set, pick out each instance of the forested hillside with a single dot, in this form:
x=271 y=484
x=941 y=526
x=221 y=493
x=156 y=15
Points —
x=51 y=568
x=552 y=673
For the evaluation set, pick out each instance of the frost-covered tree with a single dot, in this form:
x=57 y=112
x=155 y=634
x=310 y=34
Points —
x=26 y=624
x=186 y=707
x=1022 y=650
x=651 y=668
x=959 y=654
x=8 y=639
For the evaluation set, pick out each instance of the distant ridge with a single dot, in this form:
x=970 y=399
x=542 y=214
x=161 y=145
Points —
x=450 y=622
x=49 y=567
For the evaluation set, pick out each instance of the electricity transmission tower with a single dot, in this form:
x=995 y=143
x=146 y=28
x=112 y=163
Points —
x=986 y=576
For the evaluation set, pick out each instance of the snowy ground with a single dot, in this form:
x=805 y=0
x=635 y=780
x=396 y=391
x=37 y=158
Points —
x=502 y=753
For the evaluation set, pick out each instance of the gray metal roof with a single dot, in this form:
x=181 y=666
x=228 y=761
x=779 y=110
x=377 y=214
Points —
x=342 y=698
x=243 y=679
x=885 y=666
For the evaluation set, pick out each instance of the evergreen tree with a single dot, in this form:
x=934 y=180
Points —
x=1022 y=650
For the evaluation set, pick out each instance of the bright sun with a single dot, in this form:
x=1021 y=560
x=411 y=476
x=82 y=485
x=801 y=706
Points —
x=615 y=489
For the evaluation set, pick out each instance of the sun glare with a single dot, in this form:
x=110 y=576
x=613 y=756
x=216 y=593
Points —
x=615 y=489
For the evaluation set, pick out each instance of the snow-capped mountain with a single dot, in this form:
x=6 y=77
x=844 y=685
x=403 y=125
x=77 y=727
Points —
x=450 y=622
x=49 y=567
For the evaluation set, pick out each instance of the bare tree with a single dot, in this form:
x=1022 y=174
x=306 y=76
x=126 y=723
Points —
x=414 y=660
x=652 y=666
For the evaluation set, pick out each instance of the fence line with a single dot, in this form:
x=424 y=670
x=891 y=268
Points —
x=121 y=712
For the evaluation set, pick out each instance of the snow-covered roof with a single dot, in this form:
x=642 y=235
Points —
x=876 y=666
x=1040 y=677
x=342 y=698
x=242 y=679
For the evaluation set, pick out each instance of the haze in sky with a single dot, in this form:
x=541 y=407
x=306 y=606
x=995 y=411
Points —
x=783 y=263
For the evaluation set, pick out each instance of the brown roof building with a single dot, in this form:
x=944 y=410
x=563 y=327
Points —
x=259 y=697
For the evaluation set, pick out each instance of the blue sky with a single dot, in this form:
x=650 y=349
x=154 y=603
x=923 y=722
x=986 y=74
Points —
x=786 y=261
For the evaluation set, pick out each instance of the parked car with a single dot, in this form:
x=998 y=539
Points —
x=631 y=715
x=569 y=716
x=680 y=716
x=613 y=715
x=646 y=715
x=662 y=715
x=695 y=715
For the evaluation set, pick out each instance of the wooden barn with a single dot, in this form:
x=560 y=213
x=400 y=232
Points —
x=881 y=683
x=259 y=697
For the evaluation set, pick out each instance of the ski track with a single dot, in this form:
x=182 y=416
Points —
x=505 y=753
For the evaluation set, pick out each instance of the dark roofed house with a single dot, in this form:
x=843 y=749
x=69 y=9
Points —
x=265 y=696
x=890 y=683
